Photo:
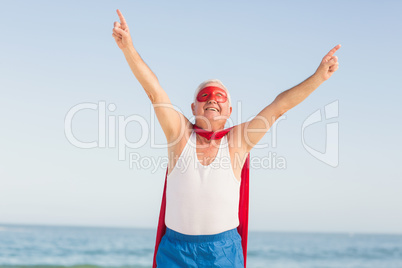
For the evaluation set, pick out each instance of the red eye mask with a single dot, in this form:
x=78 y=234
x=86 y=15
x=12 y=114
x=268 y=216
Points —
x=212 y=93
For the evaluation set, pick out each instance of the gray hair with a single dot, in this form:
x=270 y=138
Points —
x=206 y=82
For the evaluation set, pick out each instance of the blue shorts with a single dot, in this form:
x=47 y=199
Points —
x=217 y=250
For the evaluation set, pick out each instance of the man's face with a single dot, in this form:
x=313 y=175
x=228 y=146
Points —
x=212 y=103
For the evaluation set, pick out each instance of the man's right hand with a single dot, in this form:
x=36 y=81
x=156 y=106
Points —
x=121 y=33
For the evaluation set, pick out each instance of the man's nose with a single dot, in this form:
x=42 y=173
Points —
x=212 y=99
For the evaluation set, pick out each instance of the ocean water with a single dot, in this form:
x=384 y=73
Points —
x=85 y=247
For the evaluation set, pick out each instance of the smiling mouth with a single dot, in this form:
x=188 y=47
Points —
x=212 y=109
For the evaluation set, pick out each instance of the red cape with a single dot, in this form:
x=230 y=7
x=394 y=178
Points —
x=243 y=209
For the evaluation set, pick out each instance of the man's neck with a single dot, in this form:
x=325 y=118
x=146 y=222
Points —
x=206 y=136
x=210 y=127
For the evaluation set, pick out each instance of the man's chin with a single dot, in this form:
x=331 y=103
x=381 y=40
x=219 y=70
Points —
x=213 y=117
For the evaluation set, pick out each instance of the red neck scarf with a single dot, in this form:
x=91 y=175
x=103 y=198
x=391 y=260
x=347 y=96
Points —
x=243 y=203
x=210 y=135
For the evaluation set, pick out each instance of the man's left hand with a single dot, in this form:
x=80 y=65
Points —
x=329 y=64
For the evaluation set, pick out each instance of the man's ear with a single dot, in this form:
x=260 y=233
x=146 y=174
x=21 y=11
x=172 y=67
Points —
x=230 y=111
x=193 y=108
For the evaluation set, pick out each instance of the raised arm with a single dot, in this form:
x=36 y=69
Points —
x=252 y=131
x=172 y=121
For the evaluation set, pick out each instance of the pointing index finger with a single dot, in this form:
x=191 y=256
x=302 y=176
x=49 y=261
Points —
x=332 y=51
x=122 y=20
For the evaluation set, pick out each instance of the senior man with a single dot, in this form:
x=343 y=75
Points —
x=200 y=213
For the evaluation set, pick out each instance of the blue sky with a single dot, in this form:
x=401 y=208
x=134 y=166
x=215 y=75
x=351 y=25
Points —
x=56 y=55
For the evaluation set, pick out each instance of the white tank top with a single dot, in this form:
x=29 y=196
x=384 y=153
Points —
x=202 y=200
